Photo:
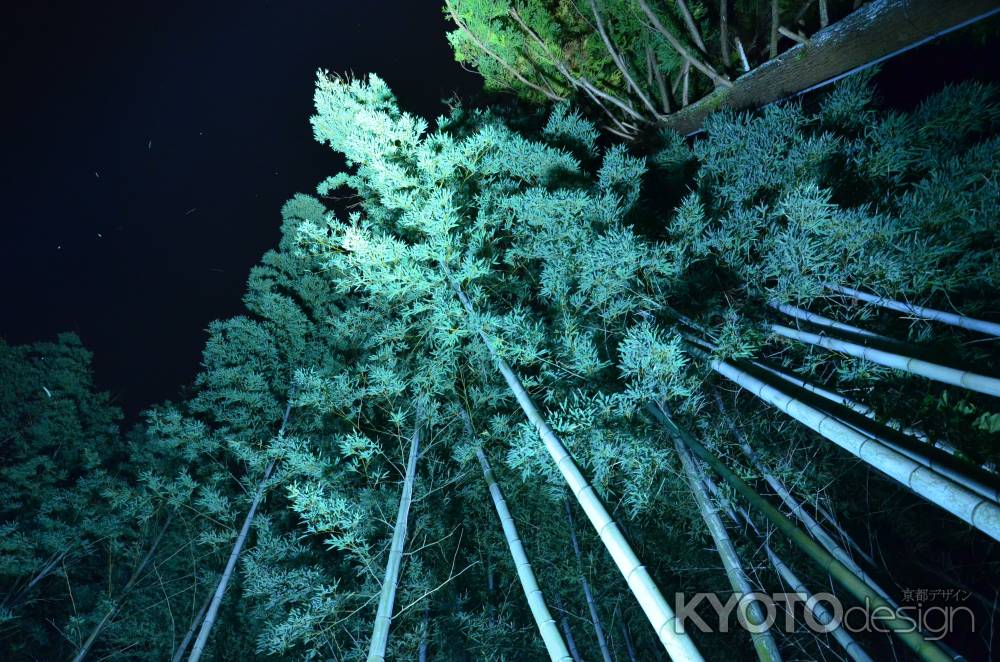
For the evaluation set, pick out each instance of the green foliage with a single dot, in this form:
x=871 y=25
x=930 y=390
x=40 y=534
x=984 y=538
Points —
x=354 y=331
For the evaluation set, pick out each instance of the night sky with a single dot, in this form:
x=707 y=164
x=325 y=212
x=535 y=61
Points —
x=149 y=147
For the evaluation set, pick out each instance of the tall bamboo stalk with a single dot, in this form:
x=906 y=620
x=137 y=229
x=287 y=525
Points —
x=954 y=319
x=554 y=643
x=220 y=590
x=944 y=374
x=903 y=628
x=940 y=490
x=595 y=617
x=868 y=412
x=387 y=598
x=567 y=632
x=821 y=614
x=81 y=654
x=763 y=641
x=677 y=642
x=796 y=507
x=820 y=320
x=189 y=635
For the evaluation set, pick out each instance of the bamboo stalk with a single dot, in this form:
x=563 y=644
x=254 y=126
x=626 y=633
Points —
x=797 y=509
x=903 y=628
x=743 y=55
x=821 y=614
x=927 y=483
x=567 y=632
x=547 y=627
x=595 y=618
x=820 y=320
x=942 y=458
x=627 y=638
x=84 y=650
x=937 y=372
x=763 y=641
x=954 y=319
x=220 y=590
x=387 y=599
x=195 y=622
x=676 y=642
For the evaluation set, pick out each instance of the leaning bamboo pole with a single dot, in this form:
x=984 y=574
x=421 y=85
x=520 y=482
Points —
x=588 y=595
x=763 y=641
x=547 y=627
x=796 y=507
x=220 y=590
x=937 y=372
x=677 y=643
x=387 y=598
x=821 y=320
x=940 y=490
x=820 y=613
x=902 y=627
x=84 y=650
x=954 y=319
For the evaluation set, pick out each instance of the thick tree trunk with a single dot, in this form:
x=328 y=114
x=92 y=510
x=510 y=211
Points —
x=677 y=643
x=547 y=625
x=387 y=599
x=874 y=32
x=763 y=641
x=901 y=627
x=940 y=490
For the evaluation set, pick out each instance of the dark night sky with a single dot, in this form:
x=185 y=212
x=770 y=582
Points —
x=224 y=92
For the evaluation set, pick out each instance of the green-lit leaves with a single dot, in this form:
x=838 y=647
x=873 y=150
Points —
x=655 y=365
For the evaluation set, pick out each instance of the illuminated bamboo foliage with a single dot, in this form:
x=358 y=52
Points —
x=527 y=272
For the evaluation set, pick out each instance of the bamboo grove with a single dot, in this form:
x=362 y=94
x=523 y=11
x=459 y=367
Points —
x=505 y=389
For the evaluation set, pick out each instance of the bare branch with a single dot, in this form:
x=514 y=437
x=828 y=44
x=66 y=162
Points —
x=679 y=47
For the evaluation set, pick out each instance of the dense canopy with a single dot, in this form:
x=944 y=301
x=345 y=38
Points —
x=506 y=388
